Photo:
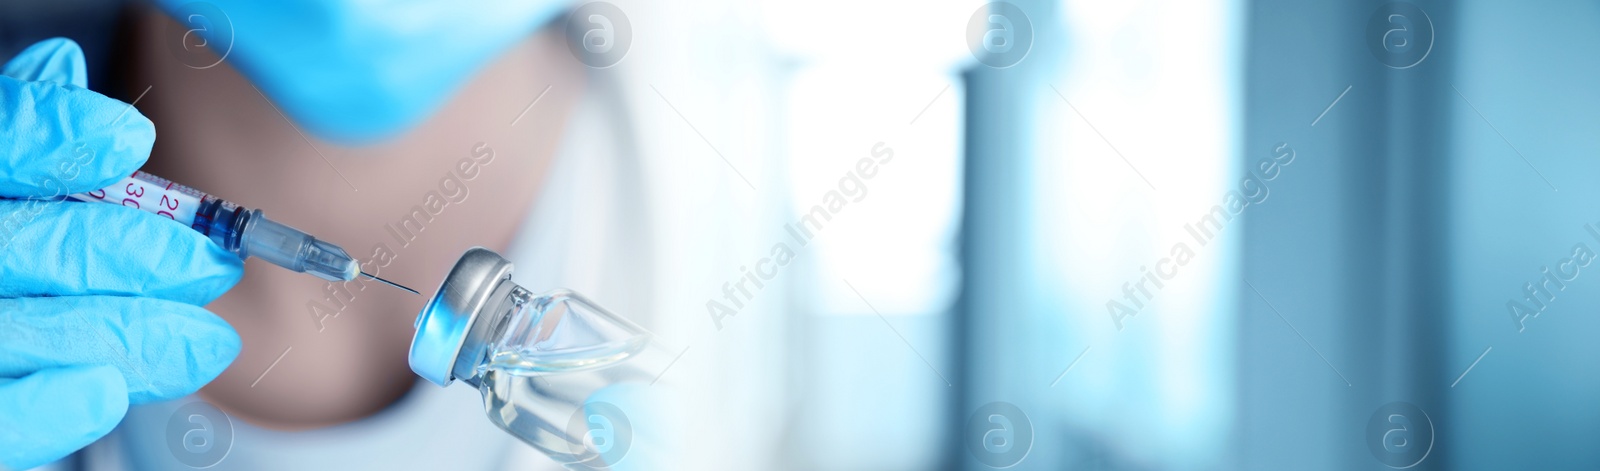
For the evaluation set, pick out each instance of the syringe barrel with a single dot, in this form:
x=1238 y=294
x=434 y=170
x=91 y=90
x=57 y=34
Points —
x=238 y=230
x=162 y=197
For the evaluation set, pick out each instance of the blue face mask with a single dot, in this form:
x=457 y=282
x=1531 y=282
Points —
x=355 y=71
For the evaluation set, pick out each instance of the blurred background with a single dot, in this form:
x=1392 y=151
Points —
x=1136 y=235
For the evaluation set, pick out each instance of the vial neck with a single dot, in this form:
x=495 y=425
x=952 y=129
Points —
x=490 y=325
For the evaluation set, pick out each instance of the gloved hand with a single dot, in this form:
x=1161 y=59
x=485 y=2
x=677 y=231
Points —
x=357 y=71
x=99 y=304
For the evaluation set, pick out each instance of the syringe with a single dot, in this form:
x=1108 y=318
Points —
x=244 y=232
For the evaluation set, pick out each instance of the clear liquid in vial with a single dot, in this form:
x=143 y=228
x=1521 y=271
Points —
x=560 y=332
x=519 y=363
x=548 y=410
x=530 y=408
x=554 y=354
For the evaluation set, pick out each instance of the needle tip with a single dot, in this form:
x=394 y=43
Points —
x=390 y=283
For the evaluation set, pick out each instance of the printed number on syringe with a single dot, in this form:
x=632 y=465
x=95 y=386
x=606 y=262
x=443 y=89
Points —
x=134 y=190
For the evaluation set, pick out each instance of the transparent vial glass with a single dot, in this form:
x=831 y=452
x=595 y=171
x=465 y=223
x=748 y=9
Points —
x=540 y=361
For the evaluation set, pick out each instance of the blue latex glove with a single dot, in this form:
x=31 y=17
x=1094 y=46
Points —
x=355 y=71
x=99 y=304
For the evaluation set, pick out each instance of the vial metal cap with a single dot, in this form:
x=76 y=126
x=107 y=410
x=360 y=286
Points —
x=445 y=324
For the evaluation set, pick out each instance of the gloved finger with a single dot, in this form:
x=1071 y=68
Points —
x=49 y=414
x=164 y=350
x=56 y=60
x=58 y=139
x=64 y=248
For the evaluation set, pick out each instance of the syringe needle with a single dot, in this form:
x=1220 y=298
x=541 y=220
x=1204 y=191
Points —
x=391 y=283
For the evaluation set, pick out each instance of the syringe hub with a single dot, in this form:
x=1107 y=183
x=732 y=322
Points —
x=290 y=248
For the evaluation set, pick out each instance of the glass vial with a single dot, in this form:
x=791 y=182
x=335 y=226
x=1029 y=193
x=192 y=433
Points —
x=538 y=360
